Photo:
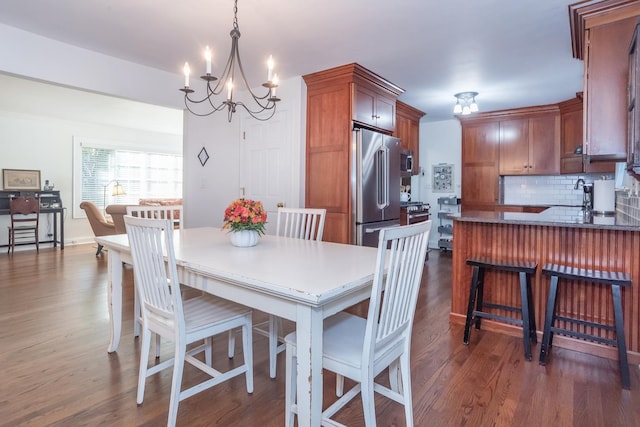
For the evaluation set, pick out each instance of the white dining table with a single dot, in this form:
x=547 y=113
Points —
x=300 y=280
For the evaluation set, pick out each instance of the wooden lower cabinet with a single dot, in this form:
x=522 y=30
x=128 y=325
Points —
x=594 y=248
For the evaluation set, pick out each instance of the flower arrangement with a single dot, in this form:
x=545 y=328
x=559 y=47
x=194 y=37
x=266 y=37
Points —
x=245 y=214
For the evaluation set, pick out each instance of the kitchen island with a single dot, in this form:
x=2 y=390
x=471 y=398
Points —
x=561 y=235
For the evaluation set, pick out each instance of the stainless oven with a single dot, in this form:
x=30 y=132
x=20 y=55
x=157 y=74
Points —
x=415 y=212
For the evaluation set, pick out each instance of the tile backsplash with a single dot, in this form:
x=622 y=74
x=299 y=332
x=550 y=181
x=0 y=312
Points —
x=544 y=189
x=628 y=205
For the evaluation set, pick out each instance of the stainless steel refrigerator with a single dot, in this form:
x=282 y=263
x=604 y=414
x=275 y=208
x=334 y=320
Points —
x=375 y=175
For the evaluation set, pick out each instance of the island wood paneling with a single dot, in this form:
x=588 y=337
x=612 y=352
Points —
x=593 y=248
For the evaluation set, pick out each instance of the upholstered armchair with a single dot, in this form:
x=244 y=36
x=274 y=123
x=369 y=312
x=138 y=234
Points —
x=99 y=225
x=117 y=213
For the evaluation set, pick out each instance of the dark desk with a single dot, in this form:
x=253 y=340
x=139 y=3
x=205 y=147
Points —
x=47 y=198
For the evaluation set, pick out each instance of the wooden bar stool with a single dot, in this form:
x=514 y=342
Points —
x=477 y=307
x=613 y=279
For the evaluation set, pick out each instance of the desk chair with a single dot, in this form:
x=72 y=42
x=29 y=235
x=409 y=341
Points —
x=25 y=220
x=183 y=322
x=297 y=223
x=359 y=348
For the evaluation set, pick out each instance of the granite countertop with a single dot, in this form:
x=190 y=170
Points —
x=567 y=216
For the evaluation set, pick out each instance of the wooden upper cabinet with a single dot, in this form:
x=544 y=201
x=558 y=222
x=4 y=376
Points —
x=571 y=138
x=374 y=108
x=408 y=130
x=633 y=110
x=531 y=145
x=514 y=147
x=606 y=71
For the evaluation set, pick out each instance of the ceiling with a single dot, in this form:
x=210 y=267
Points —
x=514 y=53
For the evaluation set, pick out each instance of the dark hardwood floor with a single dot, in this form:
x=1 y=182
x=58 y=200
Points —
x=56 y=370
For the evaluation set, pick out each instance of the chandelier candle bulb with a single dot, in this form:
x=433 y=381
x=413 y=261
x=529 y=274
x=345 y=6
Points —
x=207 y=57
x=270 y=68
x=229 y=89
x=187 y=71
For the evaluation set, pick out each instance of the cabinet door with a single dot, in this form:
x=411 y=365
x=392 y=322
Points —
x=544 y=145
x=570 y=139
x=480 y=155
x=374 y=109
x=606 y=68
x=514 y=147
x=364 y=106
x=633 y=132
x=385 y=112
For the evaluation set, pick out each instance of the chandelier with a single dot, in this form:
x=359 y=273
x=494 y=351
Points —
x=261 y=108
x=465 y=103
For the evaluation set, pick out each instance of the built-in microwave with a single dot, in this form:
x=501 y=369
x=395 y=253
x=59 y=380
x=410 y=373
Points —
x=406 y=162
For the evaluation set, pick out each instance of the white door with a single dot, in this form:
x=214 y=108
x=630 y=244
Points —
x=266 y=167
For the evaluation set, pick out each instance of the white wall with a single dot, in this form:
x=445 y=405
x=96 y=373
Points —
x=440 y=142
x=38 y=122
x=208 y=190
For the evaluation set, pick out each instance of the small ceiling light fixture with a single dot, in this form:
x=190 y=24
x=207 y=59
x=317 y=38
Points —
x=465 y=103
x=265 y=106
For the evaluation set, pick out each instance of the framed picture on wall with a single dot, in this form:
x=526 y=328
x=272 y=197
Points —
x=20 y=179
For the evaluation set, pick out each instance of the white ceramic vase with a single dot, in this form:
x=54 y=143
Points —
x=244 y=238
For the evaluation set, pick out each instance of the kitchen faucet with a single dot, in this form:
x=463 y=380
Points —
x=587 y=194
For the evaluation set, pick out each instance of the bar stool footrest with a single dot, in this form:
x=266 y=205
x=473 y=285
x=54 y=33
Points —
x=492 y=316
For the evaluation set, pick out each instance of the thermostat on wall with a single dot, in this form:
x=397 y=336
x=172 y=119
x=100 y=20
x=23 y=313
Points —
x=442 y=178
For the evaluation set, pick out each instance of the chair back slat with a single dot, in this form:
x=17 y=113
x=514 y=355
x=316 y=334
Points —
x=156 y=280
x=398 y=273
x=301 y=223
x=173 y=213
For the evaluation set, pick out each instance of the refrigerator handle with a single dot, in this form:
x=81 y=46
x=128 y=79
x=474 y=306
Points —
x=382 y=175
x=385 y=174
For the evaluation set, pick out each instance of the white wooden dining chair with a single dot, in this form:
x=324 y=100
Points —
x=297 y=223
x=171 y=212
x=183 y=322
x=359 y=348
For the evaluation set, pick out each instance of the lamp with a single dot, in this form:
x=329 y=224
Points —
x=263 y=104
x=118 y=190
x=465 y=103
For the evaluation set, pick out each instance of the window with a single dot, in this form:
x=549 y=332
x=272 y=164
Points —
x=142 y=172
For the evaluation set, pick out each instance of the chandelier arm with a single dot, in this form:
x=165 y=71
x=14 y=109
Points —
x=246 y=83
x=254 y=113
x=214 y=109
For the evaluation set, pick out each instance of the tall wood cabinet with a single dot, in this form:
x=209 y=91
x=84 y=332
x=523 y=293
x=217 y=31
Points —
x=408 y=130
x=480 y=164
x=337 y=99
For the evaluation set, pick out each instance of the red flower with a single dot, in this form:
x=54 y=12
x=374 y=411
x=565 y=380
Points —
x=245 y=214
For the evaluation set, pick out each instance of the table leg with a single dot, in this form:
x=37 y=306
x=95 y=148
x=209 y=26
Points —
x=114 y=298
x=309 y=379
